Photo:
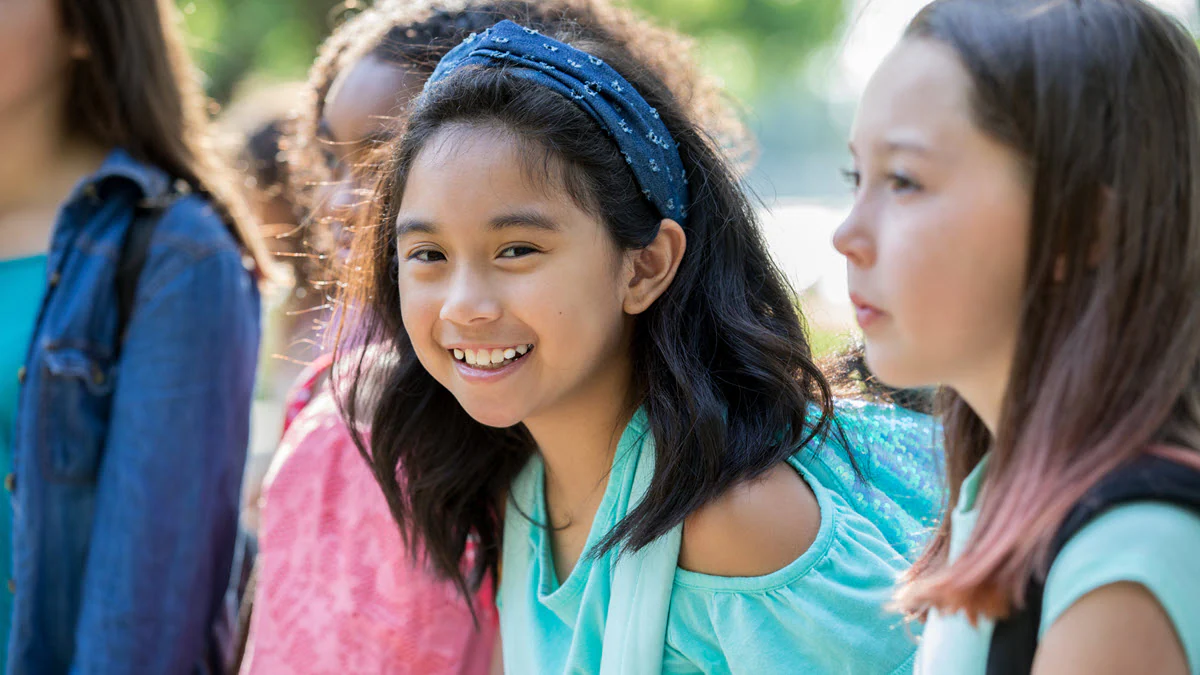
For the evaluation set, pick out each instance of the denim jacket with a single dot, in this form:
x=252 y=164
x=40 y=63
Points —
x=127 y=471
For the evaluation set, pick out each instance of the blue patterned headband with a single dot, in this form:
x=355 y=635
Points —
x=610 y=99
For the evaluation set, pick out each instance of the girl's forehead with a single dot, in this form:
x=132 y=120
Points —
x=920 y=90
x=475 y=177
x=366 y=97
x=494 y=154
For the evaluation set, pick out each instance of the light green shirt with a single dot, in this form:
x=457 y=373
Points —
x=826 y=612
x=1152 y=544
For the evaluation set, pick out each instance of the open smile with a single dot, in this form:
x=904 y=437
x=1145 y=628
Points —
x=491 y=358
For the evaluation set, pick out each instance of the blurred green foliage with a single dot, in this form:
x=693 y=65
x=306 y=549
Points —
x=748 y=43
x=752 y=43
x=277 y=39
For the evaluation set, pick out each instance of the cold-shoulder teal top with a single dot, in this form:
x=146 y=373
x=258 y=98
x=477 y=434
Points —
x=826 y=612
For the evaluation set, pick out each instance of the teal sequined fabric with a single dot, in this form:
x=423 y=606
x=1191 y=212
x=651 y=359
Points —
x=901 y=469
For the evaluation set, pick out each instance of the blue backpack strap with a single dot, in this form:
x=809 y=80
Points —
x=1149 y=478
x=135 y=248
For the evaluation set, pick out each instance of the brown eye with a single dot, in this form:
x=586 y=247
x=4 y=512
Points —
x=517 y=251
x=902 y=183
x=427 y=256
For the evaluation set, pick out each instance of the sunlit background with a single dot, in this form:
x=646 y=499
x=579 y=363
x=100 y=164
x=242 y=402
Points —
x=797 y=67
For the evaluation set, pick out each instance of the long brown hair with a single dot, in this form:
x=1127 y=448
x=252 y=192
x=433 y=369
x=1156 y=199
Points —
x=137 y=90
x=1102 y=100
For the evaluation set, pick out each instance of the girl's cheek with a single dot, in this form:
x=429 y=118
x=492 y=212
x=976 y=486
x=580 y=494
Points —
x=419 y=308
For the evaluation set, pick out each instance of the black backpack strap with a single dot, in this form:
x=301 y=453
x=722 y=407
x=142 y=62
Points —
x=1149 y=478
x=135 y=248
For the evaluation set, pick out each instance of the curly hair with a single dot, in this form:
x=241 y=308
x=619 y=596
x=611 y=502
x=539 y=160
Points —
x=851 y=378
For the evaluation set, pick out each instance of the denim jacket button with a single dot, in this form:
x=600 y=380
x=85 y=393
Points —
x=12 y=586
x=97 y=376
x=10 y=482
x=54 y=279
x=21 y=375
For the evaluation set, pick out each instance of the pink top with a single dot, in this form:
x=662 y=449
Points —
x=337 y=592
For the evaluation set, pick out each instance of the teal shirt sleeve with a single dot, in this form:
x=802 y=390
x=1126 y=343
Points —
x=1153 y=544
x=826 y=612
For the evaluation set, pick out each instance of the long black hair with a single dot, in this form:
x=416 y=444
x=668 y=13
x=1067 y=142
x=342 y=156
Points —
x=722 y=362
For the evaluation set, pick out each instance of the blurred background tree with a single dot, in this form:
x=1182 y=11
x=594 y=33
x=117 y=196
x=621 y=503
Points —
x=768 y=53
x=748 y=43
x=796 y=66
x=771 y=55
x=271 y=39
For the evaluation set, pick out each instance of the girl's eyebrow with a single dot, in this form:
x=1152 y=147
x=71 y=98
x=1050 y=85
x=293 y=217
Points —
x=898 y=146
x=530 y=219
x=895 y=146
x=905 y=140
x=408 y=226
x=382 y=136
x=325 y=133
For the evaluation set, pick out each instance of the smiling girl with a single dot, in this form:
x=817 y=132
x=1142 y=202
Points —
x=603 y=381
x=1026 y=232
x=336 y=586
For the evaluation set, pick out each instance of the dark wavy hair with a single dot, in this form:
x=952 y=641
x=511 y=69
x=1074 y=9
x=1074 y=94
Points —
x=721 y=361
x=852 y=378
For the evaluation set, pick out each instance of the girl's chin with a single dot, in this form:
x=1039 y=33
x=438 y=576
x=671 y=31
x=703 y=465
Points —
x=491 y=416
x=891 y=368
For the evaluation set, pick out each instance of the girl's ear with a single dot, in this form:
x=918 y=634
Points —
x=652 y=269
x=79 y=50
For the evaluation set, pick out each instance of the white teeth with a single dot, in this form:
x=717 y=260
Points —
x=490 y=357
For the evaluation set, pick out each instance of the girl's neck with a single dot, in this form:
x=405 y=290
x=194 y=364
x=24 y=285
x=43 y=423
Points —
x=985 y=391
x=41 y=162
x=577 y=441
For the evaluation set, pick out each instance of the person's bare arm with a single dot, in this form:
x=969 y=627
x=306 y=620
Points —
x=1116 y=629
x=754 y=528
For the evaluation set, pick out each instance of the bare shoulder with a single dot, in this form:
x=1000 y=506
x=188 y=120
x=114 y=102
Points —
x=1119 y=628
x=755 y=528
